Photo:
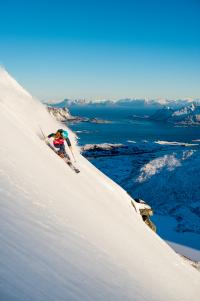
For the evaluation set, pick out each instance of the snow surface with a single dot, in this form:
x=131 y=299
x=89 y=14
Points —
x=175 y=143
x=167 y=162
x=72 y=237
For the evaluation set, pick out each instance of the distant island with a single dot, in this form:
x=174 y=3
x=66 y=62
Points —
x=187 y=115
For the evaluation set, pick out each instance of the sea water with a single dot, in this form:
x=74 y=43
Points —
x=127 y=124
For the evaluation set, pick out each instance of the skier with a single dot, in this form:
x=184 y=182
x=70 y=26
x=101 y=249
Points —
x=59 y=139
x=59 y=142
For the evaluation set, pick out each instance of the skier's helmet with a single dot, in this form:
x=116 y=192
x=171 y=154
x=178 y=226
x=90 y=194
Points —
x=65 y=134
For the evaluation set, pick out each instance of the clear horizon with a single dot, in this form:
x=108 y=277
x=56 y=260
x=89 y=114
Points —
x=103 y=50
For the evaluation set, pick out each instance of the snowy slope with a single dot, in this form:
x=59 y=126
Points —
x=72 y=237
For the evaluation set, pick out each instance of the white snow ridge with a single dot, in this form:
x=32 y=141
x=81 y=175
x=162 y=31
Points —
x=67 y=236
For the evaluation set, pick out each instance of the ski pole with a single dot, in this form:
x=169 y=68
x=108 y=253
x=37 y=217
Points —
x=42 y=133
x=72 y=154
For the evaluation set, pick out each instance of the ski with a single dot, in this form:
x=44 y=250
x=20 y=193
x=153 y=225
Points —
x=71 y=165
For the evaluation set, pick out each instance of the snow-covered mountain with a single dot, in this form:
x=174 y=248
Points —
x=65 y=103
x=72 y=237
x=189 y=115
x=71 y=102
x=172 y=103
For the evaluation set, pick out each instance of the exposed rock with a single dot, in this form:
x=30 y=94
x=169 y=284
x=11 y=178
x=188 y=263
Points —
x=96 y=120
x=145 y=211
x=63 y=114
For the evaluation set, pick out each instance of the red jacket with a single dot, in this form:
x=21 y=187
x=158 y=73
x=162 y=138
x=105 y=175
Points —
x=58 y=141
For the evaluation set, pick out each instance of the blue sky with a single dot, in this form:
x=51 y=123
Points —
x=102 y=49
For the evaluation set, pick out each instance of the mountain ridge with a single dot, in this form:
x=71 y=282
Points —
x=188 y=115
x=174 y=103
